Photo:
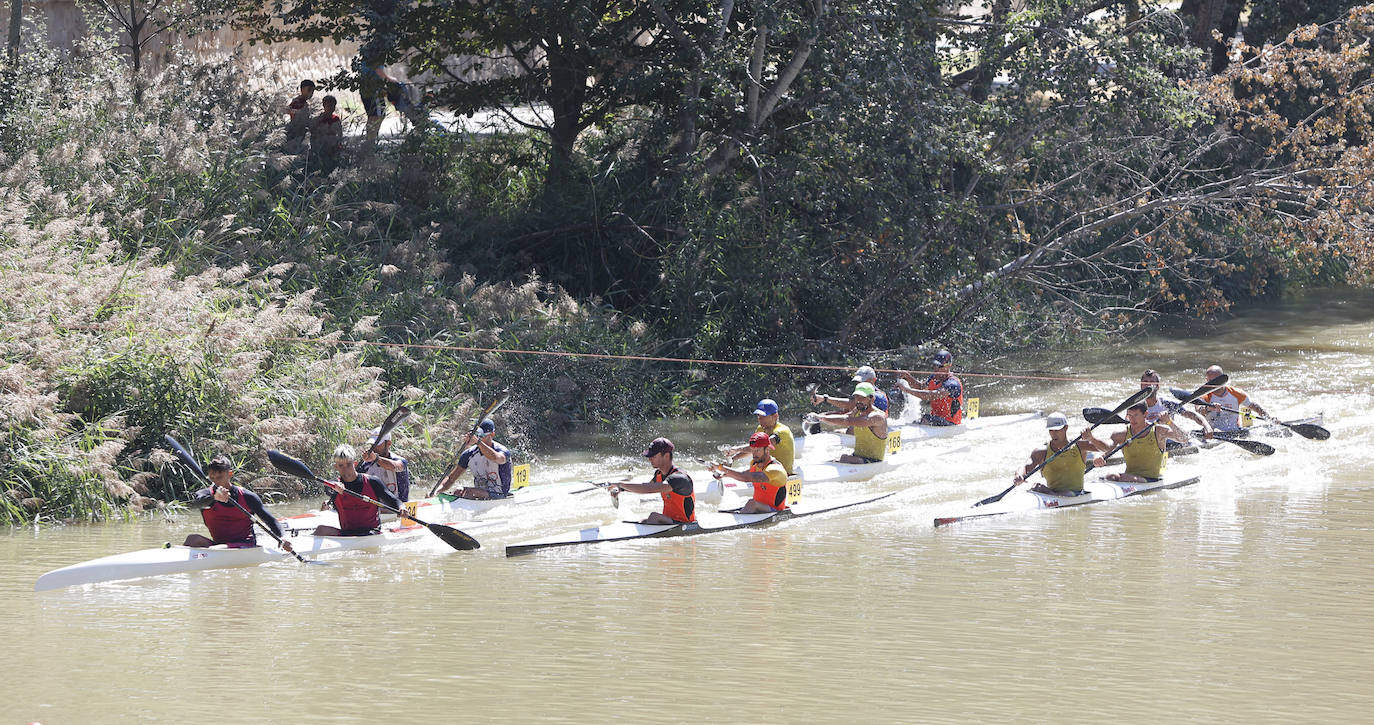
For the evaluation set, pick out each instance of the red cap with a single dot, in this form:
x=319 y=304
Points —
x=760 y=440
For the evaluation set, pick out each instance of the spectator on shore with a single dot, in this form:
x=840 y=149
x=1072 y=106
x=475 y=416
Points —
x=326 y=131
x=298 y=117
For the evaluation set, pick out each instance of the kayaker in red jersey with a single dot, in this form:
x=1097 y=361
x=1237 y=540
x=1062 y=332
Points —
x=670 y=482
x=226 y=522
x=356 y=516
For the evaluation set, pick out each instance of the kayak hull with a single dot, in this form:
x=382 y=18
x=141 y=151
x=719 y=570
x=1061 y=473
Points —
x=1026 y=499
x=911 y=432
x=184 y=559
x=706 y=523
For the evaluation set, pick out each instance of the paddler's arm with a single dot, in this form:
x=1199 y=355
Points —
x=256 y=506
x=643 y=487
x=746 y=476
x=1246 y=402
x=841 y=403
x=380 y=491
x=1166 y=426
x=1094 y=443
x=489 y=453
x=1190 y=415
x=844 y=420
x=395 y=465
x=1036 y=457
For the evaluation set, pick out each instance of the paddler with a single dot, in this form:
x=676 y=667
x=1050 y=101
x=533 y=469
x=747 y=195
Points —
x=765 y=472
x=1145 y=445
x=784 y=448
x=865 y=374
x=1225 y=396
x=1156 y=408
x=869 y=424
x=942 y=391
x=669 y=481
x=356 y=516
x=1064 y=473
x=392 y=471
x=489 y=461
x=228 y=524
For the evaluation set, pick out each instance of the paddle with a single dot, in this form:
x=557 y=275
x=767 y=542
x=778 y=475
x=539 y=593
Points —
x=190 y=462
x=1136 y=397
x=496 y=403
x=1311 y=431
x=451 y=536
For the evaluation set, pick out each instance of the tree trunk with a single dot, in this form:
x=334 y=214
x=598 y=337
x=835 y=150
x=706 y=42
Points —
x=16 y=22
x=567 y=94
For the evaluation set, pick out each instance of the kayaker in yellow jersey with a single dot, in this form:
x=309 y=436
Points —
x=784 y=449
x=765 y=472
x=1064 y=473
x=1145 y=452
x=869 y=424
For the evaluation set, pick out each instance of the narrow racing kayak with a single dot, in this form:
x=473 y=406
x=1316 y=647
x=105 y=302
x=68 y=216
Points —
x=826 y=441
x=1096 y=490
x=706 y=523
x=182 y=559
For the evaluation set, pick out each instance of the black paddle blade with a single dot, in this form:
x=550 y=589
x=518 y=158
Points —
x=996 y=497
x=1255 y=447
x=1139 y=396
x=292 y=466
x=186 y=456
x=397 y=417
x=453 y=537
x=1099 y=416
x=1309 y=430
x=1203 y=389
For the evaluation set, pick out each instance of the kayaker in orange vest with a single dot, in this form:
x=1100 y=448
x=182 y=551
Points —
x=228 y=524
x=766 y=473
x=943 y=392
x=670 y=482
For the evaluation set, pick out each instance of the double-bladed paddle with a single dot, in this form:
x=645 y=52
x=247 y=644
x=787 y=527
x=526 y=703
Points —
x=496 y=403
x=190 y=462
x=397 y=417
x=1138 y=396
x=1311 y=431
x=1094 y=415
x=295 y=467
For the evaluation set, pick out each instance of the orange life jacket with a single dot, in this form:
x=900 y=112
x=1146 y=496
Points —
x=682 y=509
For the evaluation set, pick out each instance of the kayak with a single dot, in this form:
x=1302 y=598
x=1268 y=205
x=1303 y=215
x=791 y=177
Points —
x=1097 y=490
x=182 y=559
x=706 y=523
x=911 y=432
x=810 y=473
x=438 y=508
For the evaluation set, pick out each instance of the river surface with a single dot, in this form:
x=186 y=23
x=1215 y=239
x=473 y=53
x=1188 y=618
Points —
x=1244 y=598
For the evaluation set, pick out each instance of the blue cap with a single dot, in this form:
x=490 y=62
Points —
x=941 y=358
x=766 y=407
x=487 y=426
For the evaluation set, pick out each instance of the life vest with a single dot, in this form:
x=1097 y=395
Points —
x=680 y=508
x=1143 y=455
x=226 y=523
x=868 y=445
x=784 y=447
x=1064 y=474
x=1228 y=397
x=773 y=493
x=356 y=514
x=950 y=409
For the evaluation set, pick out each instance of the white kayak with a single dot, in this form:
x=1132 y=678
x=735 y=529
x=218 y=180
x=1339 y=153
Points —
x=826 y=441
x=810 y=473
x=183 y=559
x=706 y=523
x=1096 y=490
